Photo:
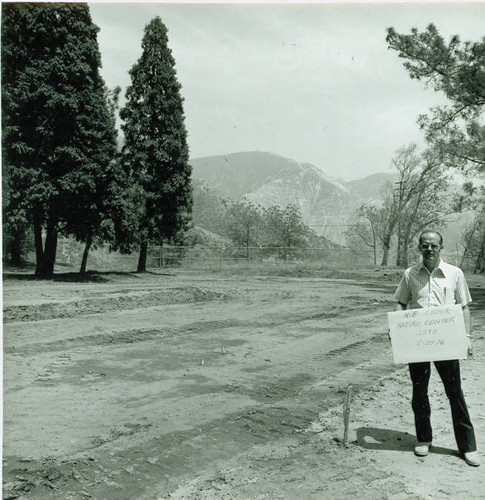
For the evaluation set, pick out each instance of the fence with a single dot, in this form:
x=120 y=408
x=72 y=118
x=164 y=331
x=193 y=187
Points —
x=217 y=258
x=222 y=257
x=202 y=257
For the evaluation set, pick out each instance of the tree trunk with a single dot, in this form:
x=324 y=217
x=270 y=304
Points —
x=46 y=254
x=84 y=261
x=386 y=245
x=247 y=243
x=142 y=260
x=45 y=266
x=468 y=238
x=374 y=246
x=15 y=246
x=406 y=237
x=50 y=250
x=39 y=251
x=480 y=262
x=401 y=250
x=405 y=257
x=385 y=255
x=463 y=257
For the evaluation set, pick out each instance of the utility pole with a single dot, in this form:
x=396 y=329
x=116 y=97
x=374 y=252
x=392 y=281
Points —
x=400 y=193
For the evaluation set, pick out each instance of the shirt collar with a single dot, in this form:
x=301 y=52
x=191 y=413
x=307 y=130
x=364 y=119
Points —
x=441 y=266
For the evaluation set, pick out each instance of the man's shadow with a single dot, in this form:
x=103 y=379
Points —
x=372 y=438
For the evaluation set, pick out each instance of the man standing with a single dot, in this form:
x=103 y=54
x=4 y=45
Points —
x=433 y=283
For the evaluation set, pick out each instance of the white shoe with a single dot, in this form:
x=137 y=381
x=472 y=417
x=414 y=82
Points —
x=422 y=449
x=472 y=458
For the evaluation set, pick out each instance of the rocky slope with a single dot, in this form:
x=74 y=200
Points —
x=269 y=179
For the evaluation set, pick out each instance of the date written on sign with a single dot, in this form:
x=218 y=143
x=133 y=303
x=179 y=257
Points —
x=428 y=334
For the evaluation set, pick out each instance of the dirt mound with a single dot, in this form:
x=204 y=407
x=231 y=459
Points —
x=136 y=300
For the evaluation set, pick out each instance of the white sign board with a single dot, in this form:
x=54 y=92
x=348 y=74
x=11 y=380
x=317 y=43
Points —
x=428 y=334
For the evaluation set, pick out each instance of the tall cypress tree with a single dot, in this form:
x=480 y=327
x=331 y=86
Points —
x=97 y=179
x=14 y=56
x=58 y=136
x=155 y=151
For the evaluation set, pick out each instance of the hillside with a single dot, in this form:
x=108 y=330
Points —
x=268 y=179
x=369 y=188
x=326 y=204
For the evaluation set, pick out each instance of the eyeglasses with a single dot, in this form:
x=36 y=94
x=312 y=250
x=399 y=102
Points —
x=433 y=247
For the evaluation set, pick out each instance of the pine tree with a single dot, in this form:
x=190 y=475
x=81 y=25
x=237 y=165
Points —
x=457 y=69
x=58 y=139
x=155 y=152
x=15 y=219
x=98 y=179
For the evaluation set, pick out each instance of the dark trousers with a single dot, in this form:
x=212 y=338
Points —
x=449 y=372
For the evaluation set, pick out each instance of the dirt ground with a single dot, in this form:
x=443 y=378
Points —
x=190 y=386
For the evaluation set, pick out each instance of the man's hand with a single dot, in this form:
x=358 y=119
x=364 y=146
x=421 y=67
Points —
x=468 y=327
x=399 y=307
x=470 y=348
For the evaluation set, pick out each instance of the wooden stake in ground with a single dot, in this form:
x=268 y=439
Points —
x=347 y=401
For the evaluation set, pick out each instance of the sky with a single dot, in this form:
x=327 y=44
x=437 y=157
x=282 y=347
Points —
x=312 y=82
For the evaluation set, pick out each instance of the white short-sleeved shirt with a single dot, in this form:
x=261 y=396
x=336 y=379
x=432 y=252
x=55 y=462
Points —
x=445 y=285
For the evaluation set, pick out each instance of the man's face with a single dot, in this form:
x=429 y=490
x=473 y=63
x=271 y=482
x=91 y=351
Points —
x=430 y=246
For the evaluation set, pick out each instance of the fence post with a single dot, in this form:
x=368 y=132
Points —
x=220 y=258
x=346 y=413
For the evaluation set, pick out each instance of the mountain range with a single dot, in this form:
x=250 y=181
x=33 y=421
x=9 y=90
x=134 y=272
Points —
x=269 y=179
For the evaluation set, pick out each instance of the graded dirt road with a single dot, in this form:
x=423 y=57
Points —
x=187 y=386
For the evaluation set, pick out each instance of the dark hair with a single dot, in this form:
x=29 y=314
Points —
x=431 y=231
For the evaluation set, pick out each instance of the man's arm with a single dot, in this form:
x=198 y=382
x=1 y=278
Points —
x=468 y=328
x=468 y=320
x=399 y=307
x=400 y=296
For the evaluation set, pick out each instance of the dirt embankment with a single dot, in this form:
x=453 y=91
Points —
x=219 y=387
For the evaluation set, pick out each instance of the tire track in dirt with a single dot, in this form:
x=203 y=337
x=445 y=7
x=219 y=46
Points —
x=107 y=336
x=330 y=361
x=227 y=479
x=288 y=412
x=132 y=456
x=177 y=457
x=142 y=459
x=115 y=299
x=153 y=461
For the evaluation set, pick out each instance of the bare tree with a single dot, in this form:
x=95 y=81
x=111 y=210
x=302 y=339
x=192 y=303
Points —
x=473 y=237
x=390 y=215
x=469 y=236
x=415 y=202
x=427 y=204
x=368 y=226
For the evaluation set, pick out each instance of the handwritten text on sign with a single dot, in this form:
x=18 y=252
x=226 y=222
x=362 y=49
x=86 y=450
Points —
x=428 y=334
